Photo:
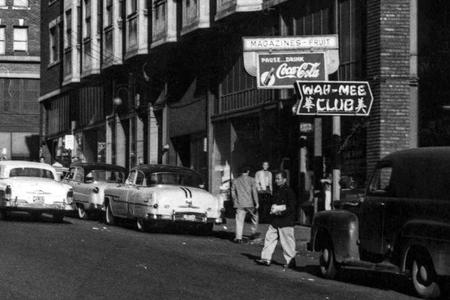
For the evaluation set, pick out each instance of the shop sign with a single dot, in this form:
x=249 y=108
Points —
x=280 y=71
x=306 y=127
x=290 y=43
x=69 y=142
x=343 y=98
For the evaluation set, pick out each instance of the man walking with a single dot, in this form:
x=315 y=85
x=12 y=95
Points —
x=282 y=224
x=245 y=200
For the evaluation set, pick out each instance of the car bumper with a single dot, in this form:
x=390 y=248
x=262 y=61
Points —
x=25 y=206
x=185 y=217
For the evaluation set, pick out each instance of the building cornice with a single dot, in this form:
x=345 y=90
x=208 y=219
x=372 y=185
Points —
x=50 y=95
x=12 y=58
x=19 y=75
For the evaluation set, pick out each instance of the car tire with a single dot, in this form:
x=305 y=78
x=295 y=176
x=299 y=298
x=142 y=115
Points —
x=35 y=216
x=3 y=215
x=109 y=217
x=82 y=214
x=328 y=266
x=424 y=277
x=206 y=229
x=141 y=225
x=58 y=217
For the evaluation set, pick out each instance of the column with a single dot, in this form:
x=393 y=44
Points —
x=139 y=141
x=153 y=143
x=121 y=144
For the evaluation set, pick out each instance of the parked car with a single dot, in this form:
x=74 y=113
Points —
x=89 y=181
x=33 y=187
x=400 y=224
x=163 y=194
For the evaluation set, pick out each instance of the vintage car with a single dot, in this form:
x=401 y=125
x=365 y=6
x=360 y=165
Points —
x=89 y=181
x=161 y=194
x=33 y=187
x=400 y=224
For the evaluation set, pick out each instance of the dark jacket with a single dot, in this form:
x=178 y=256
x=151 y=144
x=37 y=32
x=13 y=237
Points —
x=284 y=195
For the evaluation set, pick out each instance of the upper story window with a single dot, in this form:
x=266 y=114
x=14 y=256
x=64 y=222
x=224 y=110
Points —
x=20 y=3
x=2 y=3
x=54 y=43
x=87 y=18
x=68 y=23
x=20 y=39
x=109 y=13
x=131 y=7
x=2 y=40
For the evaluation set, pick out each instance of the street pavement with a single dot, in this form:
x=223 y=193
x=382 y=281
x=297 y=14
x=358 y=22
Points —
x=88 y=260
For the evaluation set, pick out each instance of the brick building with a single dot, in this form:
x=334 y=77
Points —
x=19 y=78
x=164 y=81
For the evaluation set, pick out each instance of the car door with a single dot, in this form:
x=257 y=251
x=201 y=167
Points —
x=121 y=199
x=77 y=180
x=136 y=205
x=372 y=214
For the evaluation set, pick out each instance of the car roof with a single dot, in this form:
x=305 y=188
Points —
x=24 y=163
x=164 y=168
x=97 y=166
x=434 y=153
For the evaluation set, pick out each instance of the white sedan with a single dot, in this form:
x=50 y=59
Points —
x=163 y=194
x=33 y=187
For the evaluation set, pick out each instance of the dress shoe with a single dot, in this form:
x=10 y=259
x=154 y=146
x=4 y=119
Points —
x=237 y=241
x=263 y=262
x=290 y=265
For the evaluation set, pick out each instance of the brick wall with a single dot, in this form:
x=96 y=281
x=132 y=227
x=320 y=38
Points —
x=388 y=73
x=50 y=74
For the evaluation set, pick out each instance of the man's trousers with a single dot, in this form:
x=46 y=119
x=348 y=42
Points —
x=240 y=219
x=287 y=240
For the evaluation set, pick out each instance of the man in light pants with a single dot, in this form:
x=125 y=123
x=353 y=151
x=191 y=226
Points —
x=245 y=200
x=282 y=225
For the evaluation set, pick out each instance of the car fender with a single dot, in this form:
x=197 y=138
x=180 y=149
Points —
x=342 y=228
x=431 y=236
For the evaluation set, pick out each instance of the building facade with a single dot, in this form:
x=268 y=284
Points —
x=19 y=79
x=164 y=81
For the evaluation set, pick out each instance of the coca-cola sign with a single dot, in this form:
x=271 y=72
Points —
x=280 y=71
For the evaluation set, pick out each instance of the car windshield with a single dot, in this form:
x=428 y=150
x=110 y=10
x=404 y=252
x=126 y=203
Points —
x=105 y=175
x=185 y=178
x=31 y=172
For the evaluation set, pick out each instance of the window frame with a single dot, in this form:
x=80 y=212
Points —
x=15 y=6
x=54 y=43
x=373 y=187
x=25 y=28
x=3 y=28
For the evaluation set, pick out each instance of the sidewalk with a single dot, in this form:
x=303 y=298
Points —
x=302 y=233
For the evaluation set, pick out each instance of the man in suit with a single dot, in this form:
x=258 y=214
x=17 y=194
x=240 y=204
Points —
x=245 y=200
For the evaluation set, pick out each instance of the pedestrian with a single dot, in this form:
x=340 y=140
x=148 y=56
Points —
x=326 y=192
x=282 y=225
x=263 y=180
x=245 y=200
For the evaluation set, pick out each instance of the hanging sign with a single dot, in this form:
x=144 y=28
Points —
x=325 y=98
x=282 y=70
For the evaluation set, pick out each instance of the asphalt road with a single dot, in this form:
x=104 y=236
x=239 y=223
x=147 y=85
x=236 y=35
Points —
x=88 y=260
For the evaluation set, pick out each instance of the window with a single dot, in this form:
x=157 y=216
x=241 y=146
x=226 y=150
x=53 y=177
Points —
x=380 y=183
x=140 y=179
x=2 y=40
x=31 y=172
x=20 y=39
x=79 y=175
x=109 y=13
x=2 y=3
x=132 y=7
x=87 y=19
x=20 y=3
x=68 y=23
x=54 y=44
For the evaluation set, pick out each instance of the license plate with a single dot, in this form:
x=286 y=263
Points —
x=38 y=199
x=189 y=217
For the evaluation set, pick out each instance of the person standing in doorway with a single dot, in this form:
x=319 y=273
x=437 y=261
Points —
x=282 y=226
x=263 y=180
x=245 y=200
